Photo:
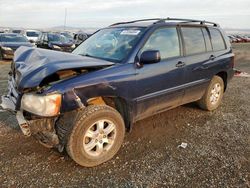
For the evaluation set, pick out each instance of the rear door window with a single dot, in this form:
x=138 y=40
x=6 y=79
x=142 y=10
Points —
x=166 y=41
x=45 y=37
x=217 y=40
x=193 y=40
x=40 y=37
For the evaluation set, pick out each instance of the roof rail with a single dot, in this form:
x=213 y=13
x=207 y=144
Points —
x=134 y=21
x=160 y=20
x=183 y=20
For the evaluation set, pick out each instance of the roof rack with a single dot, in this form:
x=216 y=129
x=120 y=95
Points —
x=134 y=21
x=188 y=21
x=161 y=20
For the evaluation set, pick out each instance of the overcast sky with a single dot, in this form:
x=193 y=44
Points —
x=100 y=13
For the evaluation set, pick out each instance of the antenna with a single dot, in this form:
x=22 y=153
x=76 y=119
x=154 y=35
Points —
x=65 y=16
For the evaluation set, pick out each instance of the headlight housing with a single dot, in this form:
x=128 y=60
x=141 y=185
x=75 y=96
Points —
x=42 y=105
x=73 y=46
x=56 y=47
x=6 y=48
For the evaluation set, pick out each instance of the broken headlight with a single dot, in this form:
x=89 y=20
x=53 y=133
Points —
x=48 y=105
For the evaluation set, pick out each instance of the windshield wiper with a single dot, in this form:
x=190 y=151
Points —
x=87 y=55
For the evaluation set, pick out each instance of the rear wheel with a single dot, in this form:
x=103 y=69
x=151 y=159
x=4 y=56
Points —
x=96 y=136
x=213 y=95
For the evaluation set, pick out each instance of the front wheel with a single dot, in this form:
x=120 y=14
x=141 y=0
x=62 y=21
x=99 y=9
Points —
x=96 y=136
x=213 y=95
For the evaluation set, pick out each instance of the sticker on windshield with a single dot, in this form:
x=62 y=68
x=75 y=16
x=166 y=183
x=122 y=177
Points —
x=130 y=32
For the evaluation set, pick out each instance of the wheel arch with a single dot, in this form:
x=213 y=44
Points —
x=116 y=102
x=223 y=75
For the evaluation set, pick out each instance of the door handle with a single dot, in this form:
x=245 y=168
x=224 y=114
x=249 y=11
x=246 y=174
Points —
x=180 y=64
x=212 y=57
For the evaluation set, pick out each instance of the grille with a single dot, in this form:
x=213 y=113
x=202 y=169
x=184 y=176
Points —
x=66 y=49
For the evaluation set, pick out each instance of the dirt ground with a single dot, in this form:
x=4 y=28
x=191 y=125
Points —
x=217 y=152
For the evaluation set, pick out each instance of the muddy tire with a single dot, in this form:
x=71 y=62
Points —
x=213 y=95
x=96 y=136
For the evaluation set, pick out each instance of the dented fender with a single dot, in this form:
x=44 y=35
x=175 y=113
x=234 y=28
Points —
x=115 y=81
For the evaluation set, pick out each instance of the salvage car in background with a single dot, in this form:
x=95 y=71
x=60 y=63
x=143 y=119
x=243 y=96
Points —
x=55 y=41
x=246 y=38
x=17 y=31
x=80 y=37
x=85 y=100
x=9 y=42
x=241 y=38
x=68 y=35
x=31 y=35
x=232 y=38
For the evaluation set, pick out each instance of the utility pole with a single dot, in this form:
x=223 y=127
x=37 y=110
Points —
x=65 y=17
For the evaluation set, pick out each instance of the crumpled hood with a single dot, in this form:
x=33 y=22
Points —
x=32 y=65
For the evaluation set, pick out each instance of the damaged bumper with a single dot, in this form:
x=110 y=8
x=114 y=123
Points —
x=8 y=104
x=41 y=128
x=11 y=100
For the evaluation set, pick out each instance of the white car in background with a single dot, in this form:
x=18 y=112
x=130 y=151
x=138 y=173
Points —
x=32 y=35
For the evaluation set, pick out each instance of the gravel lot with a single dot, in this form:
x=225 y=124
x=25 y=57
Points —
x=217 y=152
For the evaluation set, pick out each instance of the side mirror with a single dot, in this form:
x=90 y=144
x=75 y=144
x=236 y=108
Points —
x=82 y=37
x=150 y=56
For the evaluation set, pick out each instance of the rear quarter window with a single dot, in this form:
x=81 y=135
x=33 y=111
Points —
x=193 y=40
x=218 y=42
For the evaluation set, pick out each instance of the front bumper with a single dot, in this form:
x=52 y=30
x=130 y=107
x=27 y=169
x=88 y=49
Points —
x=8 y=54
x=11 y=101
x=41 y=128
x=64 y=49
x=8 y=104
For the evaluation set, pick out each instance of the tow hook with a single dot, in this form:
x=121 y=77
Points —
x=23 y=124
x=25 y=129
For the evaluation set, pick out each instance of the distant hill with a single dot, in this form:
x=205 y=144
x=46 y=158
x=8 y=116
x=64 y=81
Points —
x=93 y=29
x=232 y=31
x=73 y=29
x=56 y=28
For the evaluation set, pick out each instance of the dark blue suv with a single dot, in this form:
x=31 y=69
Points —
x=84 y=101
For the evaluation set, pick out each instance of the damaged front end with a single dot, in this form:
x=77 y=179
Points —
x=33 y=73
x=29 y=121
x=42 y=129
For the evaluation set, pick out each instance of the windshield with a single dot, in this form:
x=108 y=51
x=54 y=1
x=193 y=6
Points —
x=13 y=38
x=16 y=31
x=67 y=35
x=57 y=38
x=32 y=34
x=112 y=44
